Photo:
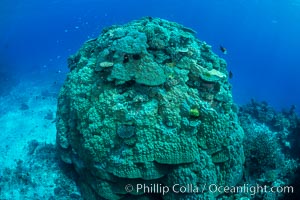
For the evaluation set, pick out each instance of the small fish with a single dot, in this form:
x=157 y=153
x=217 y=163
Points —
x=223 y=49
x=230 y=74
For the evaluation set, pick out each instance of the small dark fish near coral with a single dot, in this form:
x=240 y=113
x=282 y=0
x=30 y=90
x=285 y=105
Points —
x=223 y=49
x=230 y=74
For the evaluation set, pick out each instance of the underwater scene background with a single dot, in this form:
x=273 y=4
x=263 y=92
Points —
x=216 y=104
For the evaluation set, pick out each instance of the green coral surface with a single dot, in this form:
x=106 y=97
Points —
x=148 y=103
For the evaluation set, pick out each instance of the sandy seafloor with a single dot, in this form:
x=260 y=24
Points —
x=29 y=165
x=20 y=126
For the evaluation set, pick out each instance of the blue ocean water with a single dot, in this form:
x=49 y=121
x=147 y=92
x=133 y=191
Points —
x=261 y=36
x=37 y=37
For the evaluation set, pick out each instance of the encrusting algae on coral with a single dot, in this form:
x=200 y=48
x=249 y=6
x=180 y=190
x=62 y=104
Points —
x=194 y=112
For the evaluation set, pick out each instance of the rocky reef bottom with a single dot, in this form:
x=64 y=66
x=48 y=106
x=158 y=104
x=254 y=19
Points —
x=31 y=168
x=272 y=148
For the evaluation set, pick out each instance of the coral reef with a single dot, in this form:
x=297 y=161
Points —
x=148 y=103
x=268 y=146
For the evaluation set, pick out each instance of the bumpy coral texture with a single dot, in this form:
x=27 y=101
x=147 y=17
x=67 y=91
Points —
x=147 y=102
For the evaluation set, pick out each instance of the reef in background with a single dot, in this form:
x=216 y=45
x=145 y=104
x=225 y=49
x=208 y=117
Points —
x=272 y=148
x=148 y=103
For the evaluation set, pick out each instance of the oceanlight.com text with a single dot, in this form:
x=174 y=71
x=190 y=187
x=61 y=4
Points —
x=211 y=188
